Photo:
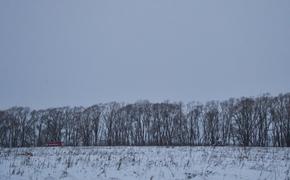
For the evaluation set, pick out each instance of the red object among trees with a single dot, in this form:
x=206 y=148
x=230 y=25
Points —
x=55 y=143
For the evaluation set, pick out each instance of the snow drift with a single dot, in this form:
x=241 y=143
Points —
x=144 y=163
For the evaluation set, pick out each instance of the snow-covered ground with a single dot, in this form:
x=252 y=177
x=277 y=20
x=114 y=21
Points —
x=149 y=163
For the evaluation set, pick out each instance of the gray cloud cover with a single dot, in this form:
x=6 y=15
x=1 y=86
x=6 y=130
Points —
x=55 y=53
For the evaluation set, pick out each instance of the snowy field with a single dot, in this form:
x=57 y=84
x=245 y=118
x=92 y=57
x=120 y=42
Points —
x=149 y=163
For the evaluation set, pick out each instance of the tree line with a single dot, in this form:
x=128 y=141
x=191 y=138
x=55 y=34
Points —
x=246 y=121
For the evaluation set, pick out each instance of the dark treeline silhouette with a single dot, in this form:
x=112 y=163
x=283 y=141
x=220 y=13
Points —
x=260 y=121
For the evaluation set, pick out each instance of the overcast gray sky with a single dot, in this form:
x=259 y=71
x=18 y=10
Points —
x=55 y=53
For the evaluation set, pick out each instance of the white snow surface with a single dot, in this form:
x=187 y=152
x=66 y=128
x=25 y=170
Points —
x=151 y=163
